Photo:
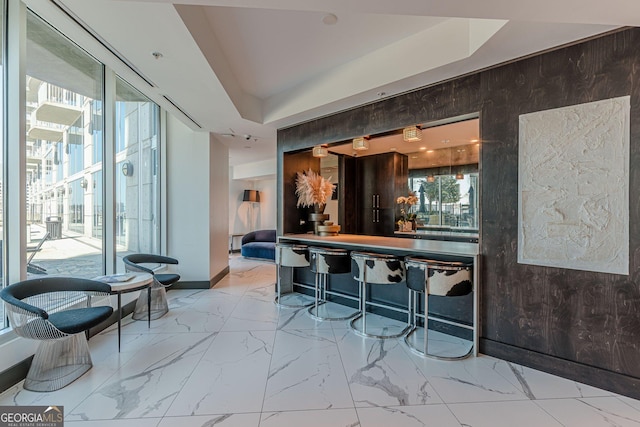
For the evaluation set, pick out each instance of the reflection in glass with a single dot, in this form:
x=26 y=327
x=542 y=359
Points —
x=137 y=180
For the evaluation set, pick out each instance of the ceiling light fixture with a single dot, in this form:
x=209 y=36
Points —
x=329 y=19
x=412 y=134
x=320 y=151
x=157 y=55
x=360 y=143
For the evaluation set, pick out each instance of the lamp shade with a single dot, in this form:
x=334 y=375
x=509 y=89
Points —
x=251 y=196
x=320 y=151
x=412 y=134
x=360 y=143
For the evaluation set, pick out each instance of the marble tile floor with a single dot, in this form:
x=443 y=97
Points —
x=230 y=357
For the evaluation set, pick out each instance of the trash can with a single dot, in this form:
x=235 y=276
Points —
x=54 y=227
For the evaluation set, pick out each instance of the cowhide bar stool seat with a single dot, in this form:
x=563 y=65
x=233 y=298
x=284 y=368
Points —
x=442 y=278
x=326 y=262
x=381 y=269
x=290 y=256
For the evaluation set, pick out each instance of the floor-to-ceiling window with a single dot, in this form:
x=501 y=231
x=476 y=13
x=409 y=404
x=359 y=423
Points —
x=137 y=179
x=3 y=323
x=64 y=86
x=67 y=181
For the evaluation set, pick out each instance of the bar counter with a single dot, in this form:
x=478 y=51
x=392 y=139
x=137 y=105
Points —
x=436 y=249
x=393 y=244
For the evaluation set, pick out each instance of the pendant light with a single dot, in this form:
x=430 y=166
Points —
x=320 y=151
x=360 y=143
x=412 y=134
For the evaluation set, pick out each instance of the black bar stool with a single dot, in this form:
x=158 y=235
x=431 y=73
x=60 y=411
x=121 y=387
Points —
x=325 y=262
x=443 y=278
x=371 y=268
x=291 y=256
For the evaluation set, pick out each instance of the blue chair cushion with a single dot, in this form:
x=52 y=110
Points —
x=167 y=279
x=79 y=319
x=264 y=250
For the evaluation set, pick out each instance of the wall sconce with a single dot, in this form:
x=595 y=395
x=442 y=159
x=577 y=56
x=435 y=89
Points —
x=459 y=175
x=431 y=178
x=320 y=151
x=412 y=134
x=127 y=168
x=252 y=196
x=360 y=143
x=84 y=183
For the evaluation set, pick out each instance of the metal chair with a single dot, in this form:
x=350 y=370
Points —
x=57 y=311
x=325 y=262
x=290 y=256
x=371 y=268
x=443 y=278
x=161 y=281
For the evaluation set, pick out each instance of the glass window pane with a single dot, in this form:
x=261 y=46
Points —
x=61 y=110
x=446 y=201
x=3 y=320
x=137 y=180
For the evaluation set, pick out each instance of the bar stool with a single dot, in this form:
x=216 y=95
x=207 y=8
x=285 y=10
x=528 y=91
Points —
x=291 y=256
x=371 y=268
x=325 y=262
x=442 y=278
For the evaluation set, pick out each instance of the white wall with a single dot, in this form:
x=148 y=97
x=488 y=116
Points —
x=267 y=214
x=197 y=200
x=245 y=216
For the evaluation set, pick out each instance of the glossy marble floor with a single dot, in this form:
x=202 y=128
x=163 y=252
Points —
x=229 y=357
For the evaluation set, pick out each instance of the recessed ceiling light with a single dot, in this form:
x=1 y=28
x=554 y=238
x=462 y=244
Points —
x=423 y=148
x=392 y=149
x=381 y=94
x=445 y=141
x=474 y=140
x=156 y=55
x=429 y=151
x=329 y=19
x=414 y=157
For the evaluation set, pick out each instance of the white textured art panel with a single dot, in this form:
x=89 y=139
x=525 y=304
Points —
x=573 y=181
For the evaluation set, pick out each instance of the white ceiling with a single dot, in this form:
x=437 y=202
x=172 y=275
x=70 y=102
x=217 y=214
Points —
x=248 y=67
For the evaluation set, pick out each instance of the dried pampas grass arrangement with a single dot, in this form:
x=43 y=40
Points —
x=312 y=189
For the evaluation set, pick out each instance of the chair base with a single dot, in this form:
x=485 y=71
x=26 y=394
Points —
x=58 y=363
x=159 y=304
x=294 y=296
x=358 y=326
x=325 y=310
x=416 y=345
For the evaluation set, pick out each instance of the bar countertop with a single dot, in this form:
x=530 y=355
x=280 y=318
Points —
x=389 y=243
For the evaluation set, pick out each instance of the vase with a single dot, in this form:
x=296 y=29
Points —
x=318 y=208
x=407 y=226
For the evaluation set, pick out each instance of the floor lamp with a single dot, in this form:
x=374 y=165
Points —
x=251 y=196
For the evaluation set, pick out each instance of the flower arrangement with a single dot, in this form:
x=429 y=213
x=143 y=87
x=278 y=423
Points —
x=313 y=189
x=407 y=203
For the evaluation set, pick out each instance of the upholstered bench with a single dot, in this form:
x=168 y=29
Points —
x=259 y=244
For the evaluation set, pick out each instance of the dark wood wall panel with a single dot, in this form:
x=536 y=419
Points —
x=579 y=324
x=433 y=103
x=590 y=318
